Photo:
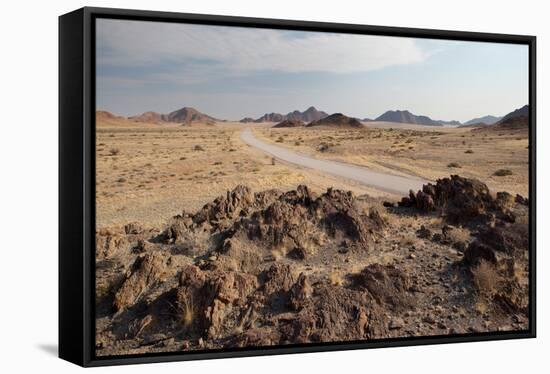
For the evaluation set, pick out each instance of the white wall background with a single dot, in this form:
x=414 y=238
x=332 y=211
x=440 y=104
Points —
x=28 y=186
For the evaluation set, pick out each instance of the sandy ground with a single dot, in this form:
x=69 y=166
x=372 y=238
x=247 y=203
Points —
x=305 y=264
x=425 y=151
x=148 y=173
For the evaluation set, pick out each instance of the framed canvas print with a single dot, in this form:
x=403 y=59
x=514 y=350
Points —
x=236 y=186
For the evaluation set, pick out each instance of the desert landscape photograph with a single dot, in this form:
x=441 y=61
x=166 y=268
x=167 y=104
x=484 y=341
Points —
x=264 y=188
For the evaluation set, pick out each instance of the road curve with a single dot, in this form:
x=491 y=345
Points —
x=383 y=181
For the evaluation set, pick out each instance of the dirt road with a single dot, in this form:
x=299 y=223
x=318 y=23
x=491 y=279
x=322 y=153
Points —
x=383 y=181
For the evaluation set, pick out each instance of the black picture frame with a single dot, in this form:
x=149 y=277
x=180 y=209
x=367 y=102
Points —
x=77 y=182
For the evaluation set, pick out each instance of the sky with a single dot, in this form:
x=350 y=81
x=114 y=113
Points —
x=231 y=73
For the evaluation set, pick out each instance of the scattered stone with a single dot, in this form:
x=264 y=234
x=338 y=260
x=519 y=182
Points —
x=396 y=323
x=428 y=319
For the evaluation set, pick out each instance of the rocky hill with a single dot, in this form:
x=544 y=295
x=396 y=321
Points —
x=270 y=117
x=184 y=116
x=308 y=115
x=404 y=116
x=516 y=120
x=338 y=120
x=290 y=123
x=521 y=112
x=149 y=117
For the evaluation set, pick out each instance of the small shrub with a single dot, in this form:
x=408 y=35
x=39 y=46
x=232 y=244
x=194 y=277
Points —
x=502 y=172
x=187 y=310
x=486 y=278
x=469 y=151
x=408 y=241
x=454 y=165
x=198 y=148
x=114 y=151
x=323 y=147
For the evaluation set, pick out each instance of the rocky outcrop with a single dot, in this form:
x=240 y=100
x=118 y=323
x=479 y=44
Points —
x=460 y=199
x=110 y=243
x=338 y=120
x=146 y=270
x=387 y=285
x=272 y=267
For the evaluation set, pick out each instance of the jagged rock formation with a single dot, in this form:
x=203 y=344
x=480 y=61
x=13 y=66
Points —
x=271 y=267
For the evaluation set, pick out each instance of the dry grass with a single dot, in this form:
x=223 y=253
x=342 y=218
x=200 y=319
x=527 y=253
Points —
x=408 y=241
x=278 y=253
x=335 y=278
x=458 y=234
x=187 y=312
x=486 y=278
x=418 y=150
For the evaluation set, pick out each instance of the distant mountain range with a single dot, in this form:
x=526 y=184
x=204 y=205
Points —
x=185 y=116
x=314 y=117
x=488 y=120
x=404 y=116
x=310 y=114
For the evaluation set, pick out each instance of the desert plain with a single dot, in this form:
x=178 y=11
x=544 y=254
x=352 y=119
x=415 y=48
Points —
x=206 y=242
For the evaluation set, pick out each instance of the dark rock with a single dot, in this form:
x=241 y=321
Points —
x=133 y=228
x=297 y=253
x=145 y=271
x=478 y=251
x=461 y=199
x=423 y=232
x=437 y=237
x=522 y=200
x=300 y=292
x=424 y=201
x=386 y=284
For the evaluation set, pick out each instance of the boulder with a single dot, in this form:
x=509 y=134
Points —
x=146 y=270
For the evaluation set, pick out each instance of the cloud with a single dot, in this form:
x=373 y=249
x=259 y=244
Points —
x=200 y=49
